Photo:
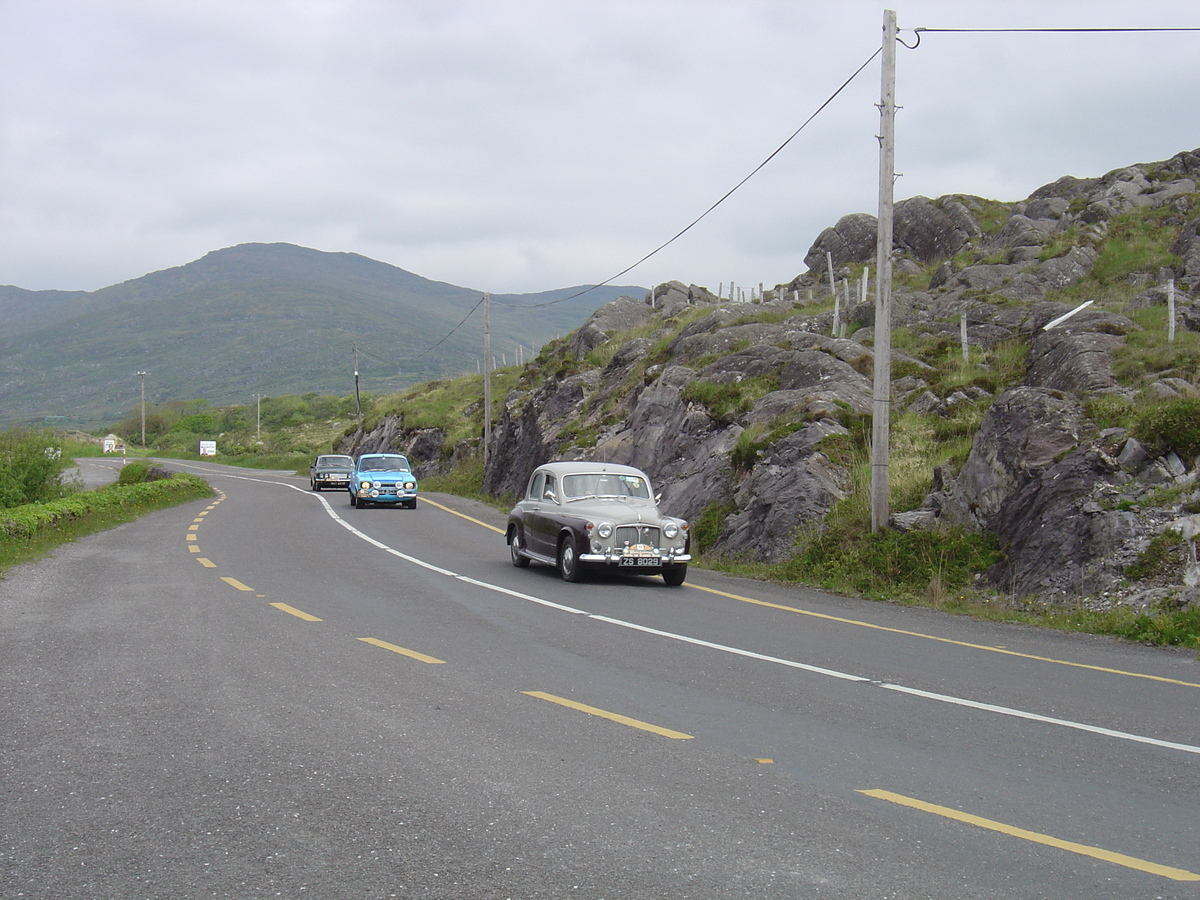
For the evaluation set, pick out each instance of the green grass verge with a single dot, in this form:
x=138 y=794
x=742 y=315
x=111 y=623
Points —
x=31 y=531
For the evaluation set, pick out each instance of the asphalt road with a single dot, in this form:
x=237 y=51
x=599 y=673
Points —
x=273 y=694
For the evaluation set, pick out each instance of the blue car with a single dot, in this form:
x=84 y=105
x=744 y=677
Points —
x=383 y=478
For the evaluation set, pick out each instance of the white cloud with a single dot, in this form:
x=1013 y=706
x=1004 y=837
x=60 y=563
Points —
x=523 y=146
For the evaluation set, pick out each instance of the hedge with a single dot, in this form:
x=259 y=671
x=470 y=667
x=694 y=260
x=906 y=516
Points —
x=30 y=520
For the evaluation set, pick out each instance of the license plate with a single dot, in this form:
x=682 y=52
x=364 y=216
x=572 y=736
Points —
x=639 y=561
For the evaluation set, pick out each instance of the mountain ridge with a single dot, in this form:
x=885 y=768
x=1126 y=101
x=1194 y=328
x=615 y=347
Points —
x=256 y=318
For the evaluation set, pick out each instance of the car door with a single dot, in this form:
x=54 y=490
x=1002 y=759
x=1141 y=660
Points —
x=540 y=507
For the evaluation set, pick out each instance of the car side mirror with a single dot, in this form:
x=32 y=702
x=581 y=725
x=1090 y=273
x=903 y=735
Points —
x=550 y=495
x=657 y=499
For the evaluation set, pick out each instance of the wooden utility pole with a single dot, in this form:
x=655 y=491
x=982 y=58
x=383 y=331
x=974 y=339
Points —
x=357 y=401
x=487 y=375
x=142 y=378
x=882 y=395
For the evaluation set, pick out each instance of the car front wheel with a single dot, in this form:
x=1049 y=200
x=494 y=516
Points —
x=568 y=560
x=353 y=500
x=674 y=576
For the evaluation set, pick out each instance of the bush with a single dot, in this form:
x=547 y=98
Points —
x=30 y=467
x=1171 y=425
x=892 y=564
x=707 y=528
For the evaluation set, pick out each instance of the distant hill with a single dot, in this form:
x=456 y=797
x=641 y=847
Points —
x=253 y=319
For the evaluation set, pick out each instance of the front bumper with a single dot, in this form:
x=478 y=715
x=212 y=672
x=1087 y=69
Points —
x=638 y=562
x=386 y=494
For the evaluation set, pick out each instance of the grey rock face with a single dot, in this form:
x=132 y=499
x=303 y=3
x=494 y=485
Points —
x=1064 y=271
x=619 y=315
x=1022 y=433
x=1053 y=535
x=1080 y=364
x=851 y=240
x=794 y=486
x=931 y=232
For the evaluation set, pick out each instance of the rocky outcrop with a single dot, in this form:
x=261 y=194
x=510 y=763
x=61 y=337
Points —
x=621 y=314
x=1023 y=432
x=748 y=410
x=1056 y=535
x=930 y=232
x=793 y=486
x=851 y=240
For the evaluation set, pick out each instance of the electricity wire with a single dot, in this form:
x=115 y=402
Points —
x=667 y=243
x=1046 y=30
x=918 y=31
x=723 y=198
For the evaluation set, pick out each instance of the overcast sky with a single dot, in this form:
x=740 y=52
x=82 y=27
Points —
x=518 y=146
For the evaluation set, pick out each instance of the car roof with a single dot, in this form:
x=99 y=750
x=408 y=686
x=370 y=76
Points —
x=579 y=468
x=385 y=455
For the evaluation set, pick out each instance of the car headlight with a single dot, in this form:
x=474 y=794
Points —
x=410 y=485
x=671 y=530
x=605 y=530
x=364 y=484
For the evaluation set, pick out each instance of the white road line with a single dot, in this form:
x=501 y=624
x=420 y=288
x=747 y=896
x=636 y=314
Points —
x=1035 y=717
x=749 y=654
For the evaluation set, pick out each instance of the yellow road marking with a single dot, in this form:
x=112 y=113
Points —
x=401 y=650
x=604 y=714
x=192 y=548
x=233 y=582
x=1119 y=859
x=193 y=527
x=933 y=637
x=198 y=520
x=292 y=611
x=191 y=537
x=455 y=512
x=207 y=563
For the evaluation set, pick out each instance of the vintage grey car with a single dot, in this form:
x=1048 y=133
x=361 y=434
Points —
x=580 y=515
x=330 y=470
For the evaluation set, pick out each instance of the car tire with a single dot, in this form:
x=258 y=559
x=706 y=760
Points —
x=354 y=501
x=514 y=551
x=412 y=504
x=569 y=566
x=674 y=576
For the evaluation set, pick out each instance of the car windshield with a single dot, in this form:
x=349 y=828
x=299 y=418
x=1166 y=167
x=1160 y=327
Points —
x=335 y=462
x=605 y=484
x=384 y=464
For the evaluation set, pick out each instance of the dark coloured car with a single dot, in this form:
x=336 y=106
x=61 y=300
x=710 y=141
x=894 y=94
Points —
x=580 y=515
x=383 y=478
x=330 y=470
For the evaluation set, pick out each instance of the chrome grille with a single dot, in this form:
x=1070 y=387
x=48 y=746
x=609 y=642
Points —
x=636 y=534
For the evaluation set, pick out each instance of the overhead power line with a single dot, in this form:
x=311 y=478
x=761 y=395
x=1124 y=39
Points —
x=723 y=197
x=1043 y=30
x=666 y=243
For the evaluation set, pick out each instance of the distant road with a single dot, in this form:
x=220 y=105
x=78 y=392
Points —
x=272 y=694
